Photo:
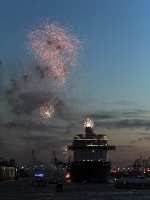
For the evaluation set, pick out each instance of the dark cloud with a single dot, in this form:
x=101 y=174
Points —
x=25 y=125
x=35 y=97
x=38 y=138
x=140 y=139
x=103 y=115
x=124 y=103
x=32 y=100
x=130 y=124
x=135 y=113
x=15 y=145
x=125 y=146
x=59 y=105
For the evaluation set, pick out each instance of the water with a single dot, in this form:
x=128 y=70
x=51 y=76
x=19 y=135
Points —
x=21 y=190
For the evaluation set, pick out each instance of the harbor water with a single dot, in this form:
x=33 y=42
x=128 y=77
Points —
x=21 y=190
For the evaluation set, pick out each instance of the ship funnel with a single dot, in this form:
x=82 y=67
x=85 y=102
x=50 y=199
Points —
x=89 y=131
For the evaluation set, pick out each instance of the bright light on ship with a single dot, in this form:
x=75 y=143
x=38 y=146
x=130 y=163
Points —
x=88 y=123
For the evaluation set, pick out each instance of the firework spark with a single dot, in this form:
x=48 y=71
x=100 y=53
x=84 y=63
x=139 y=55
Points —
x=88 y=123
x=56 y=48
x=65 y=151
x=46 y=111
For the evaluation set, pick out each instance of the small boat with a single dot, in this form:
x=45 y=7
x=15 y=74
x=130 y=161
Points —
x=59 y=187
x=53 y=181
x=38 y=182
x=58 y=190
x=132 y=185
x=39 y=175
x=141 y=176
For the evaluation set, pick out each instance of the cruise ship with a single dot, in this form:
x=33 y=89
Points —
x=91 y=163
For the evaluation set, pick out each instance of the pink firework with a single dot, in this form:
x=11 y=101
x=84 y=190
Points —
x=56 y=48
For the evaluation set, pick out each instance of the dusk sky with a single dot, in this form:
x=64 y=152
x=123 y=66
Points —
x=107 y=78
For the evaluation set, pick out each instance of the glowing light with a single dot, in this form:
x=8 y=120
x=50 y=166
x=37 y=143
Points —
x=46 y=111
x=88 y=123
x=39 y=175
x=67 y=175
x=65 y=151
x=55 y=47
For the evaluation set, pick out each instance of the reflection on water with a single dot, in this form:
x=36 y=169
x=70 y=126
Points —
x=21 y=190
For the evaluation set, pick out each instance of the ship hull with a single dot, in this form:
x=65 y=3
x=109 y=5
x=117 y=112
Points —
x=90 y=171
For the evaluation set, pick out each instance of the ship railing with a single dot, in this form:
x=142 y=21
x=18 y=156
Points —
x=96 y=146
x=89 y=143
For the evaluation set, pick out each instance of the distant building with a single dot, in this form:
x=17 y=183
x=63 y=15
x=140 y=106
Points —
x=8 y=170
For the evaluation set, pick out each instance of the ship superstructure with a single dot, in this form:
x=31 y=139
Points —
x=91 y=161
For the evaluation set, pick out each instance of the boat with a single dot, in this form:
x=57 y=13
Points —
x=132 y=184
x=141 y=176
x=39 y=175
x=52 y=181
x=90 y=163
x=38 y=182
x=59 y=187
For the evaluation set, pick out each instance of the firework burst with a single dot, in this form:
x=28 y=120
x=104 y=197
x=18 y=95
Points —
x=46 y=110
x=88 y=123
x=56 y=48
x=65 y=151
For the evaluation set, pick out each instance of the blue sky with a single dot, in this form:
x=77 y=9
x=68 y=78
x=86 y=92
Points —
x=111 y=84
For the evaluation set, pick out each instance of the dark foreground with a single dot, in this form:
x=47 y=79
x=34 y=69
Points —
x=21 y=190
